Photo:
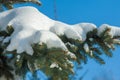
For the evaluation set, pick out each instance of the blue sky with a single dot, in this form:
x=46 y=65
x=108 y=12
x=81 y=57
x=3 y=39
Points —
x=93 y=11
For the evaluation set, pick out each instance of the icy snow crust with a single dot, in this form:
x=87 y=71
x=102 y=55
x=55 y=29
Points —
x=31 y=26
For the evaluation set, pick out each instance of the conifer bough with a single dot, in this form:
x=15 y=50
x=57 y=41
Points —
x=38 y=42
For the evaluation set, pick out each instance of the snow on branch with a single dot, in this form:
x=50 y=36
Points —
x=53 y=44
x=114 y=30
x=83 y=29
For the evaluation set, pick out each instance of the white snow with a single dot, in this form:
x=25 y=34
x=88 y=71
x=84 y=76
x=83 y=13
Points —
x=84 y=28
x=71 y=55
x=91 y=53
x=54 y=65
x=25 y=17
x=18 y=58
x=61 y=28
x=60 y=68
x=22 y=40
x=50 y=39
x=80 y=31
x=87 y=27
x=115 y=31
x=86 y=47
